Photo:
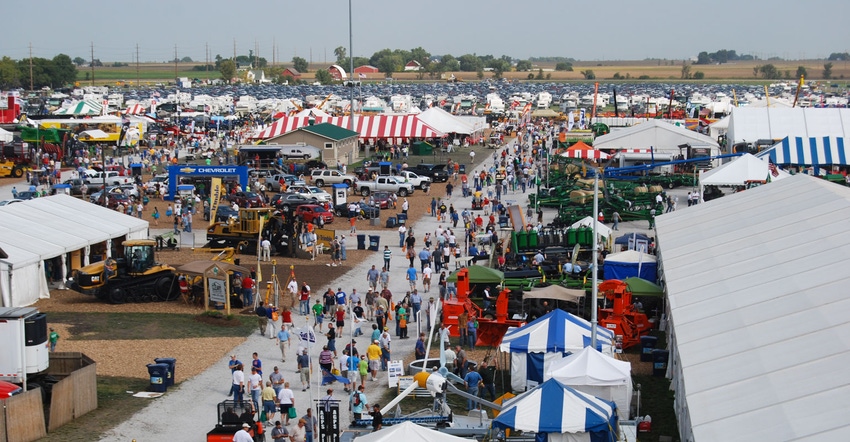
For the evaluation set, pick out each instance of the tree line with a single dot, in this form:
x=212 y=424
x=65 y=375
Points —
x=60 y=71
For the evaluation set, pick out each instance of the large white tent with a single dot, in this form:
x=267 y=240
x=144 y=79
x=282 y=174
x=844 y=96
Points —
x=736 y=173
x=591 y=372
x=660 y=135
x=41 y=229
x=751 y=124
x=758 y=313
x=445 y=122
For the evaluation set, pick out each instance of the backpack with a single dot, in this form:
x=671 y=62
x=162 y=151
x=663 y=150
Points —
x=357 y=400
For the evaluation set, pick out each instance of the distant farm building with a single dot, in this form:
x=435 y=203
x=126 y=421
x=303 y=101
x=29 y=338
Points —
x=337 y=72
x=412 y=65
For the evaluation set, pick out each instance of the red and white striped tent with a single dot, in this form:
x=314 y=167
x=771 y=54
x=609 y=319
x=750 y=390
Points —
x=135 y=109
x=584 y=151
x=393 y=128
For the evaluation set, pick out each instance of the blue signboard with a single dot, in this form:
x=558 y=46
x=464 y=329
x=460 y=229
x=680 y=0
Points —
x=174 y=173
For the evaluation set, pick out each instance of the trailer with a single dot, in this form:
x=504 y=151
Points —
x=24 y=347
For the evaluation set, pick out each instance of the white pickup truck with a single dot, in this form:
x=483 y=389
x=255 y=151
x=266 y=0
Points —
x=387 y=183
x=421 y=182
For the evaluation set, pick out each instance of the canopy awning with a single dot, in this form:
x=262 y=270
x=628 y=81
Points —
x=812 y=151
x=82 y=108
x=370 y=127
x=135 y=109
x=558 y=292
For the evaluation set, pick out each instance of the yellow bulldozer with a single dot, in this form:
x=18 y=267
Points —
x=133 y=276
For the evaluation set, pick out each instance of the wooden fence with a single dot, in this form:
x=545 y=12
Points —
x=75 y=394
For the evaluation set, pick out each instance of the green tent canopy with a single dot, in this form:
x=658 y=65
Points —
x=642 y=287
x=481 y=275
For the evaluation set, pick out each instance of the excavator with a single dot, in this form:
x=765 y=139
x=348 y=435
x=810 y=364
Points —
x=243 y=233
x=133 y=276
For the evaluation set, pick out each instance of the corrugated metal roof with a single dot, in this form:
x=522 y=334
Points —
x=757 y=287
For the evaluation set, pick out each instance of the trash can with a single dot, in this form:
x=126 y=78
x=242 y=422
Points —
x=159 y=377
x=376 y=221
x=522 y=240
x=659 y=362
x=170 y=362
x=374 y=242
x=361 y=242
x=532 y=240
x=647 y=344
x=402 y=218
x=392 y=222
x=572 y=237
x=503 y=221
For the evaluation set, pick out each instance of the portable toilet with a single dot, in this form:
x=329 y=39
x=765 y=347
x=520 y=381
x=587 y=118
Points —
x=186 y=190
x=385 y=168
x=136 y=169
x=62 y=189
x=339 y=194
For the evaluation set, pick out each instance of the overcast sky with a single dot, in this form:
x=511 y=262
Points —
x=585 y=30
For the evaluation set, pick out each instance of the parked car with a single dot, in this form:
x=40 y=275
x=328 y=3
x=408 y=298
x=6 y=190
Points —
x=382 y=199
x=27 y=195
x=112 y=200
x=437 y=172
x=289 y=200
x=365 y=211
x=273 y=182
x=311 y=192
x=247 y=199
x=314 y=213
x=11 y=201
x=222 y=214
x=158 y=180
x=77 y=186
x=321 y=177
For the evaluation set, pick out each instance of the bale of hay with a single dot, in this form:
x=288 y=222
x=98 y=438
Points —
x=656 y=189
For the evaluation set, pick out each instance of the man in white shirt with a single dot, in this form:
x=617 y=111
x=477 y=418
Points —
x=256 y=383
x=243 y=435
x=267 y=250
x=402 y=231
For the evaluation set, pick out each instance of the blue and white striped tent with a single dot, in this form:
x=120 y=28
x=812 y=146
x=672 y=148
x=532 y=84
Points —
x=811 y=151
x=560 y=413
x=545 y=340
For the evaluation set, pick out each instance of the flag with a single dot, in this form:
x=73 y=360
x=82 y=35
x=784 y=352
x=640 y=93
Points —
x=361 y=75
x=215 y=197
x=773 y=170
x=307 y=335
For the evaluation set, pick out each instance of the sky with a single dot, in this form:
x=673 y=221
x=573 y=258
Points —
x=585 y=30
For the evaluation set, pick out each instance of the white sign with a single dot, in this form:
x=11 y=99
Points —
x=395 y=369
x=218 y=290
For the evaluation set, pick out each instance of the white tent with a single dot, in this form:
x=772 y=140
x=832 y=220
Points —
x=736 y=173
x=444 y=121
x=42 y=229
x=591 y=372
x=409 y=432
x=752 y=123
x=660 y=135
x=758 y=313
x=5 y=135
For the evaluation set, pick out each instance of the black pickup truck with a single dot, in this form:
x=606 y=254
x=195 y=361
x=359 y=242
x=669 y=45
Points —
x=437 y=172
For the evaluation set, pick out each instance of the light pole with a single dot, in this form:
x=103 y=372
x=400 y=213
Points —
x=594 y=260
x=351 y=73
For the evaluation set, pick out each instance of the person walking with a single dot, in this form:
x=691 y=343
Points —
x=283 y=341
x=155 y=216
x=305 y=365
x=471 y=382
x=262 y=317
x=53 y=338
x=411 y=276
x=615 y=217
x=267 y=250
x=373 y=355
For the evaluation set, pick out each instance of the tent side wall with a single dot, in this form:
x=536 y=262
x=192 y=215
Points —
x=623 y=270
x=24 y=285
x=528 y=369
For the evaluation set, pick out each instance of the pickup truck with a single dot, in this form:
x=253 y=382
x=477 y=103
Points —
x=437 y=172
x=321 y=177
x=387 y=183
x=422 y=182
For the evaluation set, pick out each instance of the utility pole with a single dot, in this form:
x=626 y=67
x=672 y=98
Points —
x=92 y=63
x=274 y=48
x=234 y=50
x=31 y=84
x=138 y=80
x=175 y=62
x=207 y=57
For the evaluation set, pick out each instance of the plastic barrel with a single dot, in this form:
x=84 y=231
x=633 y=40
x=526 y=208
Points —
x=374 y=242
x=361 y=242
x=522 y=240
x=532 y=240
x=572 y=237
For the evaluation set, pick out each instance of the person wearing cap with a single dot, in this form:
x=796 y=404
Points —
x=430 y=308
x=420 y=346
x=305 y=365
x=243 y=435
x=385 y=348
x=298 y=433
x=370 y=304
x=373 y=355
x=279 y=432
